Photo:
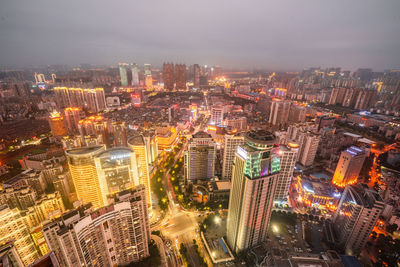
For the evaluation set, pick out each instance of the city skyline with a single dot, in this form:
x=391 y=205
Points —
x=291 y=36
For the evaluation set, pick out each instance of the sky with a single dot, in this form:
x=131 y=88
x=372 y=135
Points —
x=258 y=34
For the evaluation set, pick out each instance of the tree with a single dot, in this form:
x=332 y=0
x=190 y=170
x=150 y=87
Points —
x=391 y=228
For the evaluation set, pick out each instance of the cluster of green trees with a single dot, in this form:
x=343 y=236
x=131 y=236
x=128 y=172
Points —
x=158 y=189
x=203 y=262
x=284 y=217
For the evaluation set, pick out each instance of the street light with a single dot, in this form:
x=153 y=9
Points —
x=275 y=228
x=217 y=220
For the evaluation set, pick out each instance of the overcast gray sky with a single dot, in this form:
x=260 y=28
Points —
x=279 y=34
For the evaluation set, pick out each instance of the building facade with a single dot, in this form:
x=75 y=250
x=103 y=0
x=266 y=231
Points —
x=255 y=173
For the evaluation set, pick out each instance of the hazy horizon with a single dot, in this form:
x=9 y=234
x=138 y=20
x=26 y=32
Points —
x=263 y=35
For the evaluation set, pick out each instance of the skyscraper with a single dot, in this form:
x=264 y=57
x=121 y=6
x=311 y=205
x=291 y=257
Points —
x=254 y=180
x=57 y=125
x=123 y=73
x=95 y=99
x=148 y=79
x=180 y=76
x=118 y=134
x=168 y=76
x=349 y=166
x=117 y=171
x=61 y=96
x=82 y=167
x=308 y=142
x=288 y=157
x=357 y=213
x=72 y=118
x=138 y=145
x=13 y=227
x=200 y=158
x=279 y=113
x=232 y=141
x=135 y=74
x=217 y=115
x=196 y=76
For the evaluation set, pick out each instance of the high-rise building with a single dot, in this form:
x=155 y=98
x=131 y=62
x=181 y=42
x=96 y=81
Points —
x=76 y=98
x=349 y=166
x=116 y=170
x=308 y=142
x=357 y=213
x=180 y=76
x=95 y=99
x=288 y=157
x=350 y=97
x=61 y=96
x=117 y=234
x=279 y=114
x=138 y=145
x=82 y=167
x=196 y=76
x=200 y=158
x=151 y=142
x=255 y=173
x=337 y=96
x=168 y=76
x=57 y=124
x=217 y=115
x=123 y=73
x=72 y=118
x=365 y=99
x=148 y=79
x=118 y=134
x=13 y=228
x=232 y=141
x=9 y=256
x=135 y=74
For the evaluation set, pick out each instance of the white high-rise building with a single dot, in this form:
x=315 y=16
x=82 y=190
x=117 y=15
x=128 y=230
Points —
x=308 y=142
x=357 y=213
x=200 y=157
x=255 y=173
x=217 y=115
x=230 y=146
x=288 y=156
x=113 y=235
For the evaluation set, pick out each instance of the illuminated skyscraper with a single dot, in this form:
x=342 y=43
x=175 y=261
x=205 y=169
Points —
x=168 y=76
x=138 y=145
x=123 y=73
x=349 y=166
x=288 y=157
x=82 y=167
x=72 y=118
x=180 y=76
x=13 y=228
x=135 y=74
x=308 y=142
x=255 y=173
x=147 y=76
x=200 y=158
x=231 y=143
x=57 y=124
x=116 y=170
x=357 y=213
x=76 y=98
